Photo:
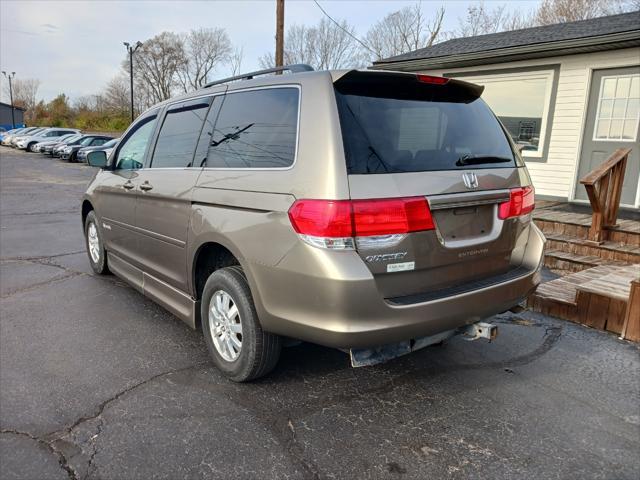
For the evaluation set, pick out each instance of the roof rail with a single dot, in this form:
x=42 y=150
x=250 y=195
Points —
x=295 y=68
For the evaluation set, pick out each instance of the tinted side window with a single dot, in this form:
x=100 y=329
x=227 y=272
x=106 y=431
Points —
x=98 y=141
x=179 y=135
x=256 y=129
x=130 y=155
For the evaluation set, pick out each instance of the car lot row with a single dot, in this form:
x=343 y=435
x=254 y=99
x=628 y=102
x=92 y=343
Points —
x=67 y=143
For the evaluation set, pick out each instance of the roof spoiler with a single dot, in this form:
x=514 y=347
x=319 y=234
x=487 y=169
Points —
x=407 y=86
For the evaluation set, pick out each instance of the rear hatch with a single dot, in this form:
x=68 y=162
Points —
x=408 y=138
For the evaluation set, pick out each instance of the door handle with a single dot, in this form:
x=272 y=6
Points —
x=128 y=185
x=146 y=186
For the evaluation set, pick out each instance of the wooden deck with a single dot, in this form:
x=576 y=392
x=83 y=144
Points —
x=598 y=297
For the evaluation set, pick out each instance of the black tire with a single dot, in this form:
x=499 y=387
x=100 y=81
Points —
x=260 y=350
x=30 y=147
x=100 y=265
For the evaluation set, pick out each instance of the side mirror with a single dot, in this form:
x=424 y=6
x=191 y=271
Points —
x=97 y=159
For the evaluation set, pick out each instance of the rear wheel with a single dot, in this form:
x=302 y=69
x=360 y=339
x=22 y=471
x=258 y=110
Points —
x=240 y=349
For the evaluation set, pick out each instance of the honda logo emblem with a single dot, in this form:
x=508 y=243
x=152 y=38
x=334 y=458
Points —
x=470 y=180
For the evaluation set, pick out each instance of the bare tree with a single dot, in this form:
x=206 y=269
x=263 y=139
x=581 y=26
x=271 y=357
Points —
x=561 y=11
x=156 y=67
x=481 y=21
x=323 y=46
x=116 y=95
x=25 y=91
x=235 y=61
x=204 y=50
x=403 y=31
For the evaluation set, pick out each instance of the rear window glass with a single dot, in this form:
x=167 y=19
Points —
x=391 y=135
x=256 y=129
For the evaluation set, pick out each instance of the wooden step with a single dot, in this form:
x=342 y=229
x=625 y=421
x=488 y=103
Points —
x=577 y=225
x=608 y=250
x=597 y=297
x=571 y=262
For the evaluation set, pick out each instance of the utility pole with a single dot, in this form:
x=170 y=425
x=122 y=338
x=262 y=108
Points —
x=131 y=51
x=279 y=33
x=10 y=77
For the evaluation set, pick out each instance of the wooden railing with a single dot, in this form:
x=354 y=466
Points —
x=604 y=187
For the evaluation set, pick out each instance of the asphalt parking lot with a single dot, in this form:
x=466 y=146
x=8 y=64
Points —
x=98 y=382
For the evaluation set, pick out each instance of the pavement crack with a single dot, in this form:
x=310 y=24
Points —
x=103 y=406
x=35 y=286
x=296 y=451
x=51 y=447
x=55 y=441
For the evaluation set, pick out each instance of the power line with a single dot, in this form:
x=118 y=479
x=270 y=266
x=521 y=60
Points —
x=343 y=29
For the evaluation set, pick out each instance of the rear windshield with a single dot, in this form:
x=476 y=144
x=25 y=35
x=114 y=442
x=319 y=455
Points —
x=392 y=135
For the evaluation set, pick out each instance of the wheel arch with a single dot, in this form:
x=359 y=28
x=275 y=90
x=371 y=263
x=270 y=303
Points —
x=87 y=207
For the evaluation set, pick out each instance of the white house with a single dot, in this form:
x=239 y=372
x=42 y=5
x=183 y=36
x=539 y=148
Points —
x=570 y=93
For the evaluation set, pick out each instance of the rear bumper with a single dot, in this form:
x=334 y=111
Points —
x=335 y=302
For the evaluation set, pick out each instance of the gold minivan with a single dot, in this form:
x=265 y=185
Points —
x=354 y=209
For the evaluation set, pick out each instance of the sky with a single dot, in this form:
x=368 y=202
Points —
x=75 y=47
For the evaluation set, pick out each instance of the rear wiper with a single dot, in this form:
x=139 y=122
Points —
x=479 y=159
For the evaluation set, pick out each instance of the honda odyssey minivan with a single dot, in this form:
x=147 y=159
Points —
x=353 y=209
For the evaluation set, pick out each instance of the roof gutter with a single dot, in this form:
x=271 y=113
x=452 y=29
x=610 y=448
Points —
x=522 y=52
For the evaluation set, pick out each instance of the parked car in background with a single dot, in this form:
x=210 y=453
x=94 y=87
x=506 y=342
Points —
x=69 y=152
x=55 y=150
x=27 y=142
x=13 y=131
x=397 y=208
x=107 y=147
x=6 y=141
x=39 y=147
x=16 y=138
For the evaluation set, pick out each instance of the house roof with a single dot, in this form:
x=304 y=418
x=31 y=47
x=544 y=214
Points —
x=15 y=106
x=596 y=34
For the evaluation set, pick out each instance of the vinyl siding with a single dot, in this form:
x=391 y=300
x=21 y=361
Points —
x=557 y=176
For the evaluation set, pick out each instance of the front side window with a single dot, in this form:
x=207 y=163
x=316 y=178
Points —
x=130 y=155
x=179 y=135
x=521 y=101
x=256 y=129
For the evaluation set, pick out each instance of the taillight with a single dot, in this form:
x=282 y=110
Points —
x=389 y=216
x=322 y=218
x=521 y=202
x=336 y=223
x=432 y=80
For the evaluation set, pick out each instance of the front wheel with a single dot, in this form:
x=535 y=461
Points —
x=240 y=349
x=95 y=245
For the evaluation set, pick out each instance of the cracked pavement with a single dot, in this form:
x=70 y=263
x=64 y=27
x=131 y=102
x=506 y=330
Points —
x=97 y=382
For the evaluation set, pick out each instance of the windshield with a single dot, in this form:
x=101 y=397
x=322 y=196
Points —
x=110 y=143
x=86 y=141
x=383 y=134
x=63 y=137
x=72 y=138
